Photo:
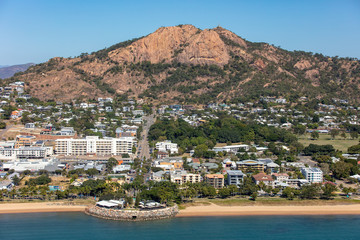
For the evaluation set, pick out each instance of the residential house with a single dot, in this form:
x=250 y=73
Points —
x=263 y=177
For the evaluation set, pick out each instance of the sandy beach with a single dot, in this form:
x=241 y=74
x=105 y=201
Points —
x=39 y=207
x=215 y=210
x=199 y=211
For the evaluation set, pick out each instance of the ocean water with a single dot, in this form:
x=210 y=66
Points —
x=80 y=226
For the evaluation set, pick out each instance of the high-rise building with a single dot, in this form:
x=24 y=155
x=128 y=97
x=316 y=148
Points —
x=93 y=145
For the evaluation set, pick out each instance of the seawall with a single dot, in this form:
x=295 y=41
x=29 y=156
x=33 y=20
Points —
x=132 y=215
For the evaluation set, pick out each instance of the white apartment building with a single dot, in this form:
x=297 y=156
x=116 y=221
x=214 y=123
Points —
x=313 y=175
x=25 y=153
x=93 y=145
x=184 y=177
x=167 y=146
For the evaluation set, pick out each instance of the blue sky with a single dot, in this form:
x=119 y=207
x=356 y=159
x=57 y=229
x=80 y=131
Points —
x=36 y=30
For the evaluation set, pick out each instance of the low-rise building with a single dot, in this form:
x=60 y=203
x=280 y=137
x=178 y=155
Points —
x=6 y=185
x=281 y=177
x=232 y=148
x=126 y=131
x=167 y=146
x=67 y=131
x=263 y=177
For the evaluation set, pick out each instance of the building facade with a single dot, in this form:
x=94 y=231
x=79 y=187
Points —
x=235 y=177
x=250 y=166
x=167 y=146
x=215 y=180
x=184 y=177
x=25 y=153
x=313 y=175
x=93 y=145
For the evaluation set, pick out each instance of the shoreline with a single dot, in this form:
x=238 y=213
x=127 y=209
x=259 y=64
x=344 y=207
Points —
x=288 y=210
x=211 y=210
x=39 y=207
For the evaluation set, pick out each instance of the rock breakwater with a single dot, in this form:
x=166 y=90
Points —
x=132 y=215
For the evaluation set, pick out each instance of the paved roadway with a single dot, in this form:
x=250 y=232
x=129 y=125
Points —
x=143 y=147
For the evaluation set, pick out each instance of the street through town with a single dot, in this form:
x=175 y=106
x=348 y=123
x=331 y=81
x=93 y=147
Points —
x=143 y=148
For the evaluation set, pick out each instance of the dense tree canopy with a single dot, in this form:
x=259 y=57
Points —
x=223 y=130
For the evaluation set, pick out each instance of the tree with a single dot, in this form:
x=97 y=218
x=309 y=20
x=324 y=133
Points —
x=200 y=150
x=314 y=135
x=310 y=191
x=299 y=129
x=224 y=192
x=354 y=135
x=319 y=149
x=354 y=149
x=92 y=172
x=288 y=193
x=348 y=190
x=16 y=180
x=275 y=191
x=316 y=118
x=341 y=169
x=333 y=133
x=43 y=172
x=41 y=180
x=110 y=164
x=253 y=196
x=27 y=172
x=247 y=187
x=209 y=191
x=323 y=159
x=233 y=189
x=343 y=135
x=2 y=125
x=328 y=190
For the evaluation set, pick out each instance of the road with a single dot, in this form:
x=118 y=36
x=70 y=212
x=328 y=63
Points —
x=2 y=133
x=143 y=148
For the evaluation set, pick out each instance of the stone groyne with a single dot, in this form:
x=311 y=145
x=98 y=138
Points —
x=132 y=215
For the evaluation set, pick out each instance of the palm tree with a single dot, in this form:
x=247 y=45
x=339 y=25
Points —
x=12 y=193
x=24 y=192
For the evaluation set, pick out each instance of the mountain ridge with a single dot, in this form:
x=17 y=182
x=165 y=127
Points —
x=187 y=65
x=7 y=71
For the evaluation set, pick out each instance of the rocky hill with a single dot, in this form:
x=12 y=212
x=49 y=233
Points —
x=188 y=65
x=9 y=71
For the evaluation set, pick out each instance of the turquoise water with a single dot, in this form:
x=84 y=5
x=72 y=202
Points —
x=80 y=226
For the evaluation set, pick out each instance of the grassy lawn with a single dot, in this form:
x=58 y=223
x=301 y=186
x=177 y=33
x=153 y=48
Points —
x=84 y=201
x=339 y=143
x=267 y=201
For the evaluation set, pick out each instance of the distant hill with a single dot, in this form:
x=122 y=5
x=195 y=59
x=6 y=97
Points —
x=184 y=64
x=9 y=71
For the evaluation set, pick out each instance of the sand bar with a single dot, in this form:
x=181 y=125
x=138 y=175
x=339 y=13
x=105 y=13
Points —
x=215 y=210
x=39 y=207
